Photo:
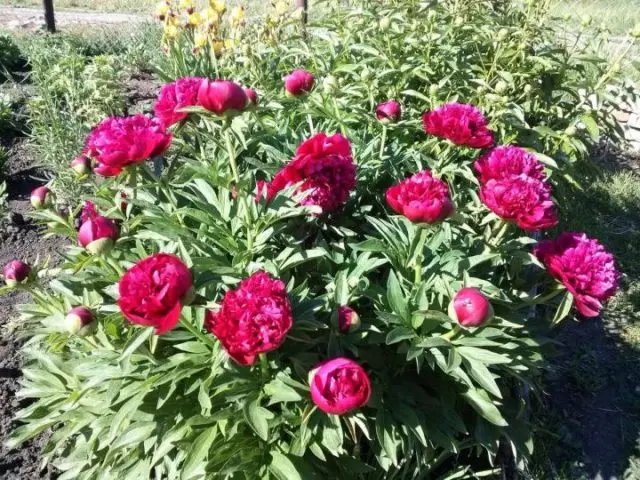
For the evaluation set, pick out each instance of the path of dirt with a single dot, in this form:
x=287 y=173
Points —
x=15 y=18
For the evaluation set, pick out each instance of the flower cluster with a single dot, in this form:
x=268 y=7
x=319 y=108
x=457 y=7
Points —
x=514 y=187
x=174 y=97
x=460 y=123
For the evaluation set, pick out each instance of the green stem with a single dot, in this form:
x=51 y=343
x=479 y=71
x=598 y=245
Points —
x=153 y=343
x=207 y=339
x=264 y=366
x=451 y=333
x=384 y=140
x=133 y=182
x=499 y=232
x=310 y=122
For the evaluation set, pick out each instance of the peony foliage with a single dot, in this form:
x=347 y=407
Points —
x=302 y=282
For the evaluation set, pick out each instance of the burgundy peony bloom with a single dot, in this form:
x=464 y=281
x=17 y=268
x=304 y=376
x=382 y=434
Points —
x=118 y=142
x=39 y=197
x=470 y=308
x=421 y=198
x=175 y=96
x=81 y=165
x=324 y=166
x=97 y=233
x=339 y=386
x=348 y=319
x=523 y=200
x=15 y=272
x=253 y=319
x=506 y=161
x=153 y=291
x=298 y=82
x=252 y=96
x=77 y=318
x=389 y=111
x=222 y=97
x=583 y=266
x=460 y=123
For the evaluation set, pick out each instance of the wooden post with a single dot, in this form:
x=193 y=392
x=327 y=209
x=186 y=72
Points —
x=304 y=5
x=49 y=17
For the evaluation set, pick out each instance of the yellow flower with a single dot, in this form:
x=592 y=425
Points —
x=200 y=39
x=170 y=31
x=194 y=19
x=210 y=16
x=217 y=48
x=185 y=5
x=281 y=7
x=230 y=43
x=237 y=14
x=162 y=10
x=218 y=5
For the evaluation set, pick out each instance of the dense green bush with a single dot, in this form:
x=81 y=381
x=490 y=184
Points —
x=11 y=58
x=125 y=403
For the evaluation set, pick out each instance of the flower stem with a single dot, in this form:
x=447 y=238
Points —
x=264 y=366
x=384 y=140
x=310 y=121
x=451 y=333
x=232 y=154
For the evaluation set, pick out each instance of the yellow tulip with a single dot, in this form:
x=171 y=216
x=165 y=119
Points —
x=170 y=31
x=162 y=10
x=200 y=39
x=194 y=19
x=218 y=5
x=237 y=14
x=185 y=5
x=281 y=8
x=217 y=48
x=210 y=16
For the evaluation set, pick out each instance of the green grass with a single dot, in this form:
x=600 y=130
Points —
x=618 y=15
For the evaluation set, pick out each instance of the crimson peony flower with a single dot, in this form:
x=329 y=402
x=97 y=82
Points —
x=506 y=161
x=339 y=386
x=118 y=142
x=324 y=166
x=462 y=124
x=253 y=319
x=175 y=96
x=81 y=165
x=523 y=200
x=39 y=197
x=348 y=319
x=222 y=97
x=15 y=272
x=153 y=291
x=389 y=111
x=97 y=233
x=421 y=198
x=298 y=82
x=77 y=318
x=470 y=308
x=252 y=96
x=583 y=266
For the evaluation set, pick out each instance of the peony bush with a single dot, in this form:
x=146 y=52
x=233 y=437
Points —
x=320 y=257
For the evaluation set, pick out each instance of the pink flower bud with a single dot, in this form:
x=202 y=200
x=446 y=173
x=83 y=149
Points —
x=77 y=318
x=348 y=320
x=39 y=197
x=470 y=308
x=339 y=386
x=16 y=272
x=422 y=198
x=222 y=97
x=81 y=165
x=97 y=233
x=389 y=111
x=298 y=82
x=252 y=96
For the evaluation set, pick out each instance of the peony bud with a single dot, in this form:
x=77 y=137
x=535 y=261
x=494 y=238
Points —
x=348 y=319
x=97 y=233
x=222 y=97
x=570 y=131
x=434 y=88
x=16 y=272
x=470 y=308
x=528 y=88
x=329 y=84
x=39 y=197
x=76 y=319
x=299 y=82
x=502 y=34
x=501 y=87
x=252 y=96
x=635 y=32
x=586 y=20
x=385 y=23
x=389 y=111
x=81 y=165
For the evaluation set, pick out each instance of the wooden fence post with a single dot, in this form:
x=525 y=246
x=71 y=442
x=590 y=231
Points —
x=49 y=17
x=304 y=5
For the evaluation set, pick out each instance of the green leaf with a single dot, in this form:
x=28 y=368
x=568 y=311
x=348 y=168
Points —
x=135 y=434
x=198 y=450
x=591 y=125
x=395 y=297
x=564 y=308
x=257 y=416
x=483 y=405
x=278 y=392
x=282 y=467
x=483 y=355
x=398 y=334
x=481 y=374
x=133 y=344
